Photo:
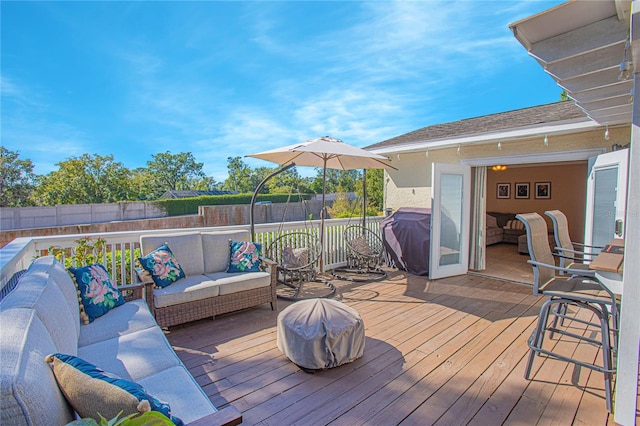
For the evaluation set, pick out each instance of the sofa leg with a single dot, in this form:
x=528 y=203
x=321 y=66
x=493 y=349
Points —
x=273 y=308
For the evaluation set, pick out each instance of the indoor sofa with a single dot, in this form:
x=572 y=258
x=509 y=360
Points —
x=41 y=316
x=207 y=289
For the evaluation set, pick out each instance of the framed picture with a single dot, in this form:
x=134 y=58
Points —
x=542 y=190
x=522 y=190
x=504 y=190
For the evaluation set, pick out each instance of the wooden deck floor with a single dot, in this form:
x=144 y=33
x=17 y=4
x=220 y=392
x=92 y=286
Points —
x=447 y=352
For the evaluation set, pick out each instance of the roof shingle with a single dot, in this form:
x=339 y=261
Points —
x=526 y=117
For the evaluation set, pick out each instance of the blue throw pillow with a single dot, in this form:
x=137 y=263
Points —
x=244 y=256
x=162 y=265
x=96 y=294
x=92 y=392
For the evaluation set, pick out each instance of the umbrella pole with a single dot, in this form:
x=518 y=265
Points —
x=322 y=213
x=364 y=199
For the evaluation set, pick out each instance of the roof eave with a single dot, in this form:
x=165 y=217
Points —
x=489 y=137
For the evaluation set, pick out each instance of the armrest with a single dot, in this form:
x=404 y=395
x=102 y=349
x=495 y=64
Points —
x=578 y=252
x=132 y=291
x=574 y=272
x=586 y=245
x=270 y=263
x=229 y=416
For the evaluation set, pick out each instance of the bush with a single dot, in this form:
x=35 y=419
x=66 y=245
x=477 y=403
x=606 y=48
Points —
x=183 y=206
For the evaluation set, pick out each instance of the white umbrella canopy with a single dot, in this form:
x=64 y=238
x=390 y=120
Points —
x=328 y=153
x=325 y=152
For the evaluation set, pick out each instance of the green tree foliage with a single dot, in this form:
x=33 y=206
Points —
x=16 y=179
x=375 y=189
x=175 y=171
x=85 y=179
x=337 y=181
x=241 y=178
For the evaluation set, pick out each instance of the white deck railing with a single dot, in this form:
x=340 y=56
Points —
x=121 y=247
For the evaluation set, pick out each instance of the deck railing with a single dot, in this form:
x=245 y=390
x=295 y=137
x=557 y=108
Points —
x=122 y=248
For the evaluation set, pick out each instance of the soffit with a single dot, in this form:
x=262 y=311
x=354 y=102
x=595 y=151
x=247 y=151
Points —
x=581 y=44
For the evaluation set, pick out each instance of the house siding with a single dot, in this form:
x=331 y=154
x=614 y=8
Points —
x=410 y=185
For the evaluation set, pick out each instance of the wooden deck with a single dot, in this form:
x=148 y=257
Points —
x=447 y=352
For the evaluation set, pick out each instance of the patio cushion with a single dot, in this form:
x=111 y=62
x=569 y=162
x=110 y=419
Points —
x=228 y=283
x=132 y=356
x=188 y=289
x=361 y=246
x=93 y=393
x=295 y=257
x=131 y=317
x=189 y=403
x=186 y=247
x=162 y=265
x=96 y=294
x=30 y=394
x=245 y=256
x=39 y=292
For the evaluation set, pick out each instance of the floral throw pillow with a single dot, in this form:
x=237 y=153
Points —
x=96 y=294
x=162 y=265
x=244 y=256
x=295 y=257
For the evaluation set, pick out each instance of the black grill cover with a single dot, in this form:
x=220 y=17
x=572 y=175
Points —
x=406 y=237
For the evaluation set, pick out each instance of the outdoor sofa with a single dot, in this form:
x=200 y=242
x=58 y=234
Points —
x=41 y=316
x=207 y=289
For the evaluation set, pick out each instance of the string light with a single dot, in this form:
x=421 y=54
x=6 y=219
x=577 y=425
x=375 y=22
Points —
x=606 y=133
x=546 y=140
x=426 y=154
x=398 y=156
x=499 y=146
x=458 y=150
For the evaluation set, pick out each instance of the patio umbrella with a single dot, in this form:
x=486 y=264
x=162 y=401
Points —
x=328 y=153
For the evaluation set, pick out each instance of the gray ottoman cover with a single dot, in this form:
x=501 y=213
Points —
x=320 y=333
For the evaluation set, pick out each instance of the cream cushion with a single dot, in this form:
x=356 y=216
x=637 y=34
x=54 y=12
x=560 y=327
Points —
x=187 y=248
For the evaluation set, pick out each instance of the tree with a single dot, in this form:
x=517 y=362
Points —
x=375 y=189
x=16 y=179
x=86 y=179
x=241 y=178
x=175 y=171
x=337 y=181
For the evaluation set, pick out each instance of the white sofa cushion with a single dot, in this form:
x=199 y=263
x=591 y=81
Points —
x=235 y=282
x=48 y=265
x=30 y=394
x=188 y=289
x=39 y=292
x=128 y=318
x=215 y=246
x=188 y=402
x=187 y=248
x=133 y=356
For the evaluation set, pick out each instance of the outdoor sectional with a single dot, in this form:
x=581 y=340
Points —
x=41 y=316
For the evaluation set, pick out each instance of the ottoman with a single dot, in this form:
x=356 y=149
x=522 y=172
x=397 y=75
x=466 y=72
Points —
x=320 y=333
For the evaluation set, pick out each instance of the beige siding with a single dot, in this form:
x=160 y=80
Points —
x=410 y=185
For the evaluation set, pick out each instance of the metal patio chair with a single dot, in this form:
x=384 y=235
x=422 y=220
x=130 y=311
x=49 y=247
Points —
x=579 y=290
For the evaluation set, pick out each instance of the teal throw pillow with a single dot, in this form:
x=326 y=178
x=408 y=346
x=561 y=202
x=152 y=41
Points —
x=93 y=392
x=244 y=256
x=96 y=294
x=162 y=265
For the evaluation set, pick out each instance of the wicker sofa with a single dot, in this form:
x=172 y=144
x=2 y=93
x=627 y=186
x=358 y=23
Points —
x=208 y=289
x=40 y=316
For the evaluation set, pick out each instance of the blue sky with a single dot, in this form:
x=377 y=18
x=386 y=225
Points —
x=224 y=79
